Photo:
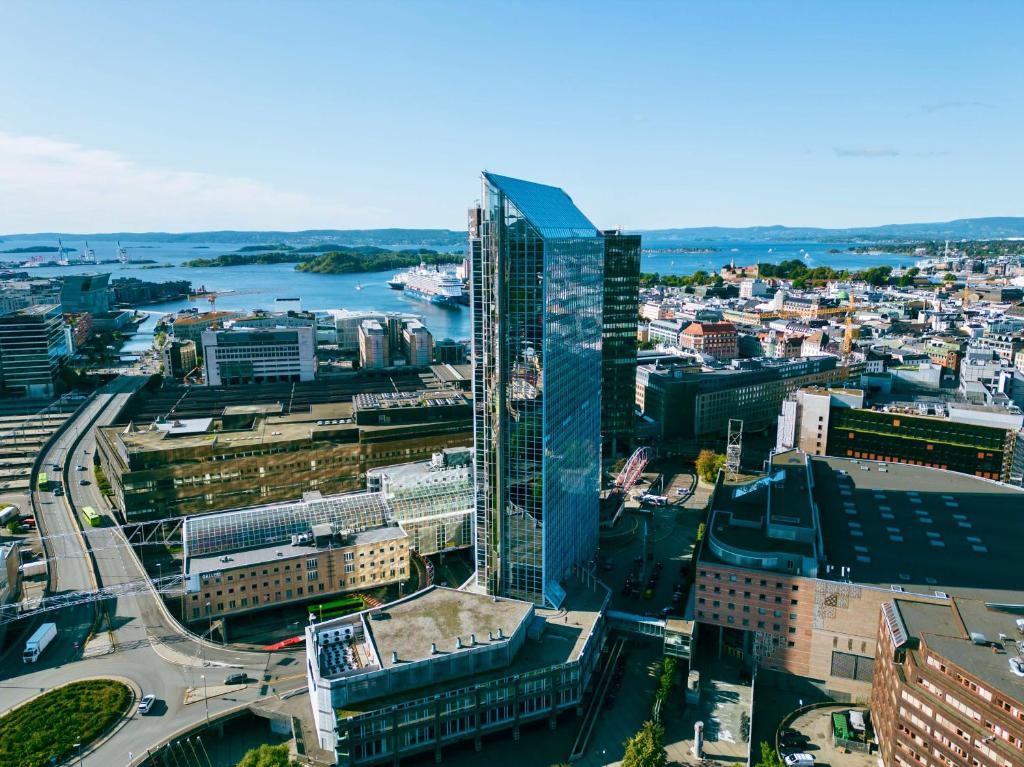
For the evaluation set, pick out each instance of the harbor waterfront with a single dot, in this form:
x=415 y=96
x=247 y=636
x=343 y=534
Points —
x=258 y=286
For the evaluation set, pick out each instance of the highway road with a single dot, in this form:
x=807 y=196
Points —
x=143 y=642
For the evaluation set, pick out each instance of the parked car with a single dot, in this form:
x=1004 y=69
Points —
x=798 y=760
x=146 y=704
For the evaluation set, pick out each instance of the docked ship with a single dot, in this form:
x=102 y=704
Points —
x=430 y=285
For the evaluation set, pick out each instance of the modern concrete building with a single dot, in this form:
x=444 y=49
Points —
x=835 y=422
x=618 y=340
x=417 y=344
x=694 y=404
x=33 y=347
x=443 y=666
x=253 y=454
x=797 y=565
x=537 y=280
x=374 y=345
x=256 y=355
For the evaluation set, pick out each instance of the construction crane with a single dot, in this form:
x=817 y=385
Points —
x=213 y=295
x=850 y=333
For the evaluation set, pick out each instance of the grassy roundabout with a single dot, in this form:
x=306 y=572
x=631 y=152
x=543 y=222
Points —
x=53 y=723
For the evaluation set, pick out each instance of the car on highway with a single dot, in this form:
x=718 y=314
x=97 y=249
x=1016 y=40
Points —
x=80 y=467
x=236 y=678
x=146 y=704
x=83 y=482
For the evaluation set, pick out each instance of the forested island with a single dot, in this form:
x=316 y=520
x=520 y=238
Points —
x=339 y=260
x=359 y=260
x=38 y=249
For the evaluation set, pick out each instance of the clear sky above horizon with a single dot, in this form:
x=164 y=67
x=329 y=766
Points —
x=219 y=115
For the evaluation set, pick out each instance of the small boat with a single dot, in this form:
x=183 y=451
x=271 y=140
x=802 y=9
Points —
x=397 y=282
x=359 y=286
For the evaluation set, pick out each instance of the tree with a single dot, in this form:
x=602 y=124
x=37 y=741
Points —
x=267 y=756
x=708 y=464
x=646 y=748
x=769 y=757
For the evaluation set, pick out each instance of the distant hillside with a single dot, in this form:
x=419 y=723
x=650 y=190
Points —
x=964 y=228
x=388 y=239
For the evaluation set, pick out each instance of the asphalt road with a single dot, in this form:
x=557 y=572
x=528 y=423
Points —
x=143 y=642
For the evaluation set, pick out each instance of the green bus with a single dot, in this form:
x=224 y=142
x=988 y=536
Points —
x=337 y=608
x=43 y=482
x=94 y=519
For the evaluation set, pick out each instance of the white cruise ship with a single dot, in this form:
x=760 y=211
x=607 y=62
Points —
x=429 y=284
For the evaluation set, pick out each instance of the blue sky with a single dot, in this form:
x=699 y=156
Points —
x=185 y=116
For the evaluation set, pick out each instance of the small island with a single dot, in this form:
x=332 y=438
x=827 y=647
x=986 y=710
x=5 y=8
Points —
x=38 y=249
x=340 y=260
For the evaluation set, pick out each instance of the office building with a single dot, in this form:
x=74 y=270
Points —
x=797 y=564
x=666 y=332
x=948 y=687
x=253 y=454
x=33 y=347
x=374 y=345
x=245 y=355
x=85 y=293
x=442 y=666
x=618 y=339
x=190 y=326
x=695 y=404
x=715 y=339
x=835 y=422
x=537 y=278
x=450 y=352
x=417 y=344
x=179 y=357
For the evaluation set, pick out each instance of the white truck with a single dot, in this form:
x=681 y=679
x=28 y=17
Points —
x=39 y=641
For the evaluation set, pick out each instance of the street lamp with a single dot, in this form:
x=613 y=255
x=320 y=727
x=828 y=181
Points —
x=206 y=701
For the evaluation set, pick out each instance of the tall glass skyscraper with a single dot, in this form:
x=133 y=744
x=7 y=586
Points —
x=621 y=306
x=537 y=270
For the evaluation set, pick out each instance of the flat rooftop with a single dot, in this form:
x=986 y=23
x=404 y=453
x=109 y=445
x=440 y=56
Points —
x=940 y=627
x=441 y=616
x=921 y=529
x=555 y=636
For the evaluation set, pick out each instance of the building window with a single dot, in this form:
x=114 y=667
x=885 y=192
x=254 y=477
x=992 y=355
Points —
x=850 y=666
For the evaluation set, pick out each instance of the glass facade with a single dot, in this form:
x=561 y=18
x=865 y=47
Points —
x=33 y=346
x=621 y=306
x=536 y=299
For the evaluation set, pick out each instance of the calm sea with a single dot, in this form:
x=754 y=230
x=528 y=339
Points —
x=257 y=287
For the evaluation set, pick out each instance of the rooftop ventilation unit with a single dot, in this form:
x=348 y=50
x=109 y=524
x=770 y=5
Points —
x=978 y=638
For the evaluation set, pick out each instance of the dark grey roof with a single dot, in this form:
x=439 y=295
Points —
x=548 y=208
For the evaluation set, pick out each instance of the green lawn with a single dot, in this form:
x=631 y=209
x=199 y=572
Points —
x=50 y=725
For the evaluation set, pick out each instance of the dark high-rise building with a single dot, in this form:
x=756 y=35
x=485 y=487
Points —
x=537 y=269
x=618 y=337
x=33 y=346
x=85 y=293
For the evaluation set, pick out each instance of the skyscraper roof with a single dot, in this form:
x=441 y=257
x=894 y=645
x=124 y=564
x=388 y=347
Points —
x=549 y=209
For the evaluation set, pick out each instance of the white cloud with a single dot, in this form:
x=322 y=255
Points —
x=48 y=185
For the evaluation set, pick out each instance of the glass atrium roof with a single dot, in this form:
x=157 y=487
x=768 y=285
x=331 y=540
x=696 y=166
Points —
x=549 y=209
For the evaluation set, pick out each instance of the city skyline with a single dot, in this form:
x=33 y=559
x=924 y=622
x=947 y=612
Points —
x=680 y=115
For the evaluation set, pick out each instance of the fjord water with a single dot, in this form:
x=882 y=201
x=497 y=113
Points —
x=259 y=285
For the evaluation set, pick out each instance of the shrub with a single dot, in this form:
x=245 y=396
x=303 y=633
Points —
x=708 y=464
x=50 y=725
x=267 y=756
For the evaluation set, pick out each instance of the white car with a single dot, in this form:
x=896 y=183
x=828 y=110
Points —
x=798 y=760
x=146 y=704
